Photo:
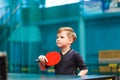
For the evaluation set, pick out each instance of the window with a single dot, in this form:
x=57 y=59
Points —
x=51 y=3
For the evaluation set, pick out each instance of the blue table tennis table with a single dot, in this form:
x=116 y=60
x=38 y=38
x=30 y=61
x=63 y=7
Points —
x=22 y=76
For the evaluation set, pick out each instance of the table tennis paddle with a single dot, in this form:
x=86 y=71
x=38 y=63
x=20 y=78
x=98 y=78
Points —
x=53 y=58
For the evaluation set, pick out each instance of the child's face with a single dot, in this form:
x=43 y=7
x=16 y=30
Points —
x=63 y=40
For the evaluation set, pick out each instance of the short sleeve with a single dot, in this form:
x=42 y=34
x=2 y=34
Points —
x=79 y=61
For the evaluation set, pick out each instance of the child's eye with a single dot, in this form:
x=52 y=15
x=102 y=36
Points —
x=62 y=37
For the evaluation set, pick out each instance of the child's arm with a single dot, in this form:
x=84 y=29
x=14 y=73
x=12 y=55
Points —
x=83 y=72
x=42 y=59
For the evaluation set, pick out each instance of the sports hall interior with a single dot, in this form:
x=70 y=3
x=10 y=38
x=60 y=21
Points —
x=28 y=29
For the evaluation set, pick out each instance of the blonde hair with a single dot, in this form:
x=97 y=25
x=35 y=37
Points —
x=70 y=34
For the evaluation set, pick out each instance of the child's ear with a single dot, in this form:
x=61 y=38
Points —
x=71 y=40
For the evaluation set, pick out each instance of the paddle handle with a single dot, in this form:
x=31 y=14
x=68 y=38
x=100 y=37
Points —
x=37 y=60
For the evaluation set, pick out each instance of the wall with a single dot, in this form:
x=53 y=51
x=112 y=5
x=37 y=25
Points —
x=102 y=33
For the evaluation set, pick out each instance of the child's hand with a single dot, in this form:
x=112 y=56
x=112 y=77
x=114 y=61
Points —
x=42 y=59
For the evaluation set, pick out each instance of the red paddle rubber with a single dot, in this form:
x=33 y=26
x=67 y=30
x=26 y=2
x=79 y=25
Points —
x=53 y=58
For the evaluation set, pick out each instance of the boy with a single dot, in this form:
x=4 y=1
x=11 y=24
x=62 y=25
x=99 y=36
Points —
x=70 y=59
